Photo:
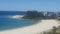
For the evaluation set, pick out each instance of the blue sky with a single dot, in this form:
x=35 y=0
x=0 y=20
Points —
x=23 y=5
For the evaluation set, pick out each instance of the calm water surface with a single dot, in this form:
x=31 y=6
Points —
x=6 y=22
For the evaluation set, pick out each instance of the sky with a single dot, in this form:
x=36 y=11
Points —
x=24 y=5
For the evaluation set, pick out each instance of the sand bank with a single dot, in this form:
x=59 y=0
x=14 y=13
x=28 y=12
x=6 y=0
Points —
x=16 y=16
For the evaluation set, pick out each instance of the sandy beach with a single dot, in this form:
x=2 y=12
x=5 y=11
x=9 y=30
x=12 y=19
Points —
x=29 y=16
x=34 y=29
x=16 y=16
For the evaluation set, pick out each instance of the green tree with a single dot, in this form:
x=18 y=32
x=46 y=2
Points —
x=33 y=14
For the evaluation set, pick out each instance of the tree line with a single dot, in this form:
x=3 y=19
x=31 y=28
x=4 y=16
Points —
x=40 y=15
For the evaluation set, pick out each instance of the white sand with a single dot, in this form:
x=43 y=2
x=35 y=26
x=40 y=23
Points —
x=34 y=29
x=16 y=16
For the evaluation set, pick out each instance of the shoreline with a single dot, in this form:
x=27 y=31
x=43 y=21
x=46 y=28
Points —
x=34 y=29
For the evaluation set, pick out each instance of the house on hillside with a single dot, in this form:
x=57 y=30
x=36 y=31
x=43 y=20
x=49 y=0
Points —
x=51 y=15
x=58 y=15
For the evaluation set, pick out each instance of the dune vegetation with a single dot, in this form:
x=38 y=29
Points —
x=54 y=30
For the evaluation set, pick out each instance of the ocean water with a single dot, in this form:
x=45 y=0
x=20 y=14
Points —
x=6 y=22
x=11 y=23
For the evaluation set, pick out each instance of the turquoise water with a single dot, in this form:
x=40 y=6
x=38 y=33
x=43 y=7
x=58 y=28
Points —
x=7 y=23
